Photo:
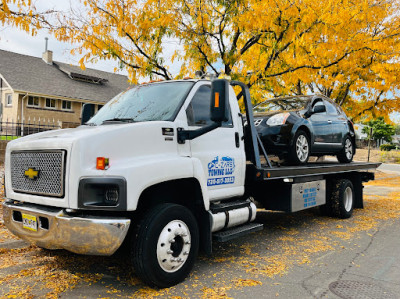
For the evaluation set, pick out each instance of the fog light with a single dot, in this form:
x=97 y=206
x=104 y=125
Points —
x=112 y=195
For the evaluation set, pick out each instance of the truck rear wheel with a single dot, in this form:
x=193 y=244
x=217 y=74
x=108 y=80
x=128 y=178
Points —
x=340 y=202
x=166 y=245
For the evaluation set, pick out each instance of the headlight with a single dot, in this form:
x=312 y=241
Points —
x=278 y=119
x=102 y=194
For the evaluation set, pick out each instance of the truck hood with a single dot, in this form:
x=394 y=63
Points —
x=122 y=139
x=67 y=136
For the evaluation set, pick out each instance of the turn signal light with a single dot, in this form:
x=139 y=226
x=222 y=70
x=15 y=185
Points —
x=217 y=100
x=102 y=163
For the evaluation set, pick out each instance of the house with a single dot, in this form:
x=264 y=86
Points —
x=358 y=128
x=33 y=89
x=396 y=139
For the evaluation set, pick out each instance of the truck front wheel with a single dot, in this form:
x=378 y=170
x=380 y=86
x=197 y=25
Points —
x=165 y=246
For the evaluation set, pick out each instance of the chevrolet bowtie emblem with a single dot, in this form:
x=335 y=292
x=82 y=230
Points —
x=32 y=173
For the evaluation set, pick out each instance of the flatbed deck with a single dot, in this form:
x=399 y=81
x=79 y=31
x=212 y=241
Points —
x=310 y=169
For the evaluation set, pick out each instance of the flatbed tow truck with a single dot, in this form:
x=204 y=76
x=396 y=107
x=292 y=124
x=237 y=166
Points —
x=165 y=179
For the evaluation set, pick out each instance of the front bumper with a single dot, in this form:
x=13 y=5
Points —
x=56 y=229
x=276 y=139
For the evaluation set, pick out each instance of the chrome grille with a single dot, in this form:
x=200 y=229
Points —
x=50 y=167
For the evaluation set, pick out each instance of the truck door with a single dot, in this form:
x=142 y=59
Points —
x=221 y=151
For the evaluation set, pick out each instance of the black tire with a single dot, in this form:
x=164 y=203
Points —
x=146 y=245
x=294 y=157
x=340 y=201
x=346 y=154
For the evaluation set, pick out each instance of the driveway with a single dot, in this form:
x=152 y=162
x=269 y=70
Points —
x=300 y=255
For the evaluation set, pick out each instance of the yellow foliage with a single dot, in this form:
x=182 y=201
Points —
x=347 y=50
x=23 y=15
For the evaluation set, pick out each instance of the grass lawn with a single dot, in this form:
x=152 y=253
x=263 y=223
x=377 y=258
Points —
x=8 y=137
x=377 y=155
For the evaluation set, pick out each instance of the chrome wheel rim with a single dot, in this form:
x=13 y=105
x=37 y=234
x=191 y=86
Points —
x=348 y=199
x=348 y=149
x=173 y=246
x=302 y=148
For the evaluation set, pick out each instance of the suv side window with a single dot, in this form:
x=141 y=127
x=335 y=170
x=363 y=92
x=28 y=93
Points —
x=330 y=108
x=198 y=111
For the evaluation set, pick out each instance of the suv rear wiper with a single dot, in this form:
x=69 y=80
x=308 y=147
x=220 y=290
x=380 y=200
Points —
x=128 y=120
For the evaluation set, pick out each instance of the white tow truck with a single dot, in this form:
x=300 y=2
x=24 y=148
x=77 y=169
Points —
x=166 y=168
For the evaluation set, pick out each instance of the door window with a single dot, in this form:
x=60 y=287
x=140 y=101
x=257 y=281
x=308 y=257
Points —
x=198 y=112
x=330 y=108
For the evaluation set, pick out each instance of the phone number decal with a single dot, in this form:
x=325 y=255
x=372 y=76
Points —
x=221 y=181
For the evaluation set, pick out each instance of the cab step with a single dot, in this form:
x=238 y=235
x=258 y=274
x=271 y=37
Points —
x=236 y=232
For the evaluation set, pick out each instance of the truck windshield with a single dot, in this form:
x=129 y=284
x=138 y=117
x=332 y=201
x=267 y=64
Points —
x=159 y=101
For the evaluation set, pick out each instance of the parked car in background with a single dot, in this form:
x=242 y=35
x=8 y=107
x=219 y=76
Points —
x=295 y=128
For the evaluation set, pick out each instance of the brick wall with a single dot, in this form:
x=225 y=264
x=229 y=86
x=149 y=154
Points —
x=66 y=118
x=9 y=111
x=58 y=114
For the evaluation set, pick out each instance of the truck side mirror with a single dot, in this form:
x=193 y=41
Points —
x=87 y=112
x=219 y=100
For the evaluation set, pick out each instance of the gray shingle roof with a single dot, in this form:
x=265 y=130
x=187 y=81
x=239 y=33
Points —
x=32 y=74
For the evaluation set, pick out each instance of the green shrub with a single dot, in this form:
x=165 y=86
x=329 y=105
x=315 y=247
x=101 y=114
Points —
x=387 y=147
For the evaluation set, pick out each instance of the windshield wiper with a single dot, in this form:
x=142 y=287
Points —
x=128 y=120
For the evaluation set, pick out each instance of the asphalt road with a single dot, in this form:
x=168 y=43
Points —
x=300 y=255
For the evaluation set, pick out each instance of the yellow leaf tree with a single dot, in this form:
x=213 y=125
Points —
x=347 y=50
x=23 y=15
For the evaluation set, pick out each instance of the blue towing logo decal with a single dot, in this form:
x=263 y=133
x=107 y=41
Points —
x=309 y=197
x=220 y=171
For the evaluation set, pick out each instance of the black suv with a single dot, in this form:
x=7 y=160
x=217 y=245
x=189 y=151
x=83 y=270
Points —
x=297 y=127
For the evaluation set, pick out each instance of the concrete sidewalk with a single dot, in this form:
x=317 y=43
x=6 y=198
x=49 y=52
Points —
x=390 y=168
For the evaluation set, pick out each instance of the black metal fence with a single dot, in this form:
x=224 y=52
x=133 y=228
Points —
x=10 y=129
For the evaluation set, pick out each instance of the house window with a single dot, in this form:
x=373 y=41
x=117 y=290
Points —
x=51 y=103
x=66 y=105
x=33 y=101
x=8 y=99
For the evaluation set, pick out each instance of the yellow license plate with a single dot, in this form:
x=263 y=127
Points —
x=29 y=222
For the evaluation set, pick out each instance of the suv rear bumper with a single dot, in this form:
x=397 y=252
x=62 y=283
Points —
x=56 y=229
